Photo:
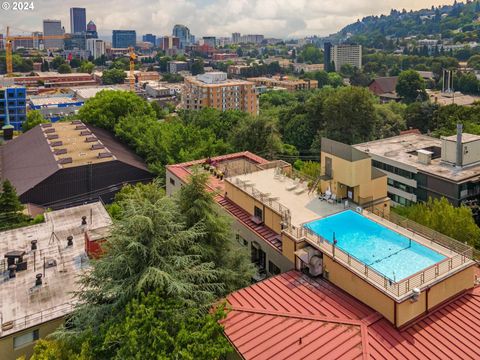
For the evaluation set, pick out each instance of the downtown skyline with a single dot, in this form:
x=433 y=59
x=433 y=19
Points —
x=273 y=18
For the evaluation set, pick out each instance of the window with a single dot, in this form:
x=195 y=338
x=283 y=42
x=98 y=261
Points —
x=258 y=256
x=25 y=339
x=172 y=181
x=258 y=213
x=273 y=269
x=241 y=240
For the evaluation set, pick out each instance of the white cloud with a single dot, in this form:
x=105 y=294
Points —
x=279 y=18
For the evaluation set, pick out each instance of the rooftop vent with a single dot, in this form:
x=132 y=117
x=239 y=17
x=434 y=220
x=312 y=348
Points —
x=75 y=122
x=90 y=139
x=56 y=143
x=104 y=155
x=69 y=240
x=47 y=125
x=85 y=133
x=49 y=131
x=67 y=160
x=52 y=137
x=84 y=220
x=60 y=151
x=33 y=244
x=80 y=127
x=38 y=279
x=97 y=146
x=424 y=156
x=50 y=263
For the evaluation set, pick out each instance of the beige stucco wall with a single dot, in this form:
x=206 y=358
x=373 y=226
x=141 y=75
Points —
x=6 y=343
x=449 y=287
x=359 y=288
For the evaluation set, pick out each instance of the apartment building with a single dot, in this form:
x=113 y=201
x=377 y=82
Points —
x=41 y=264
x=213 y=89
x=334 y=237
x=13 y=99
x=420 y=167
x=346 y=54
x=284 y=82
x=96 y=47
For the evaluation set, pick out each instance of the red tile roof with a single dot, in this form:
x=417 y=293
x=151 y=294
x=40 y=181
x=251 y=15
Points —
x=292 y=316
x=270 y=236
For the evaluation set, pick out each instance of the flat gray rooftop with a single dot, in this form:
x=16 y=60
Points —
x=399 y=149
x=23 y=304
x=303 y=207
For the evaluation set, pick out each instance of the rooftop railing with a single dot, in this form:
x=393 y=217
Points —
x=462 y=254
x=36 y=318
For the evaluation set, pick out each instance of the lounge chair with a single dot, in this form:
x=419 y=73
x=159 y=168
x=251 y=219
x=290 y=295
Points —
x=326 y=196
x=333 y=199
x=301 y=190
x=292 y=186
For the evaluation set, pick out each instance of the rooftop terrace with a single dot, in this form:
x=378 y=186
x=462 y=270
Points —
x=25 y=303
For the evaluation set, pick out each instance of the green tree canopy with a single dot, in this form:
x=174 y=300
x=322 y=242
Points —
x=34 y=118
x=113 y=76
x=411 y=86
x=86 y=67
x=64 y=69
x=440 y=215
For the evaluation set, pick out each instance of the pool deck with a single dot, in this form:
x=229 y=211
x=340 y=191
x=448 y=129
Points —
x=304 y=207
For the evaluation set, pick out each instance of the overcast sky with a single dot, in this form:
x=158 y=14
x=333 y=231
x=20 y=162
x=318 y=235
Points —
x=273 y=18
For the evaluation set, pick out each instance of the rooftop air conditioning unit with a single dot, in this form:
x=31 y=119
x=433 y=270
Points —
x=315 y=265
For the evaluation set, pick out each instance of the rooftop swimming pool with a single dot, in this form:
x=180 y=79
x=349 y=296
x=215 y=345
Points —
x=388 y=252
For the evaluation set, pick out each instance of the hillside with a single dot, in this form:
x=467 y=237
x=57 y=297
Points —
x=459 y=22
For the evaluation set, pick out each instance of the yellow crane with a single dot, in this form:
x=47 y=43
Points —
x=133 y=57
x=9 y=39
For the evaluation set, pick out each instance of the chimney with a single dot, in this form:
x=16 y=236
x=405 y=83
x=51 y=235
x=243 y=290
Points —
x=33 y=245
x=38 y=279
x=459 y=160
x=84 y=220
x=70 y=240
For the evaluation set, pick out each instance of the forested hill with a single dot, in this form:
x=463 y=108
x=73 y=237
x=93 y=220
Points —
x=459 y=21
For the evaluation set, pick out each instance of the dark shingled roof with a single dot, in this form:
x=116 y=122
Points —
x=387 y=84
x=27 y=160
x=119 y=150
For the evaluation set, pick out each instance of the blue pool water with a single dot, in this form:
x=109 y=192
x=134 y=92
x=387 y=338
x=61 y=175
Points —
x=386 y=251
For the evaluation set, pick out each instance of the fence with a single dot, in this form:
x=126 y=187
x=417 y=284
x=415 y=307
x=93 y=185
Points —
x=396 y=288
x=37 y=318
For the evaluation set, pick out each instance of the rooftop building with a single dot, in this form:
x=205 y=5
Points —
x=213 y=89
x=284 y=82
x=68 y=163
x=54 y=107
x=52 y=79
x=337 y=226
x=85 y=93
x=41 y=265
x=420 y=166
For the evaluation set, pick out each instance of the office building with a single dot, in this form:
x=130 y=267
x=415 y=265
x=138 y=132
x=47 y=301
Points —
x=23 y=44
x=76 y=41
x=248 y=39
x=53 y=28
x=345 y=55
x=55 y=107
x=213 y=89
x=54 y=80
x=92 y=30
x=68 y=163
x=122 y=39
x=96 y=47
x=1 y=42
x=420 y=167
x=78 y=20
x=235 y=38
x=183 y=33
x=169 y=42
x=210 y=41
x=41 y=265
x=327 y=56
x=284 y=83
x=285 y=224
x=175 y=66
x=13 y=98
x=150 y=38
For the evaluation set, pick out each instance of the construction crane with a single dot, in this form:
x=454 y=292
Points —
x=133 y=57
x=9 y=43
